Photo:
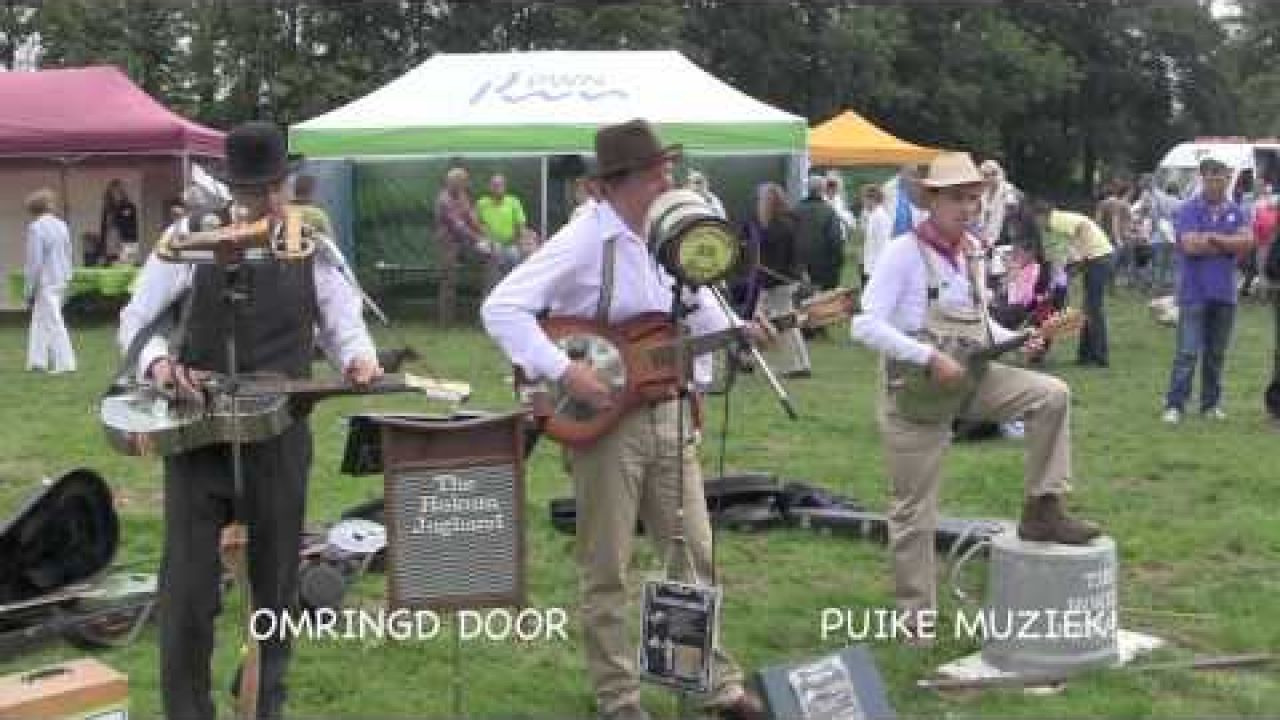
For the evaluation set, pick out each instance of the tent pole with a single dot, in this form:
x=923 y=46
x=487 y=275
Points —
x=64 y=189
x=543 y=230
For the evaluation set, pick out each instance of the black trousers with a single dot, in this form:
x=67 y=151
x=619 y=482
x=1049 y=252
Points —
x=199 y=489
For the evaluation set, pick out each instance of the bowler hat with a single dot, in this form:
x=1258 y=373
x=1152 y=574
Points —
x=627 y=147
x=257 y=154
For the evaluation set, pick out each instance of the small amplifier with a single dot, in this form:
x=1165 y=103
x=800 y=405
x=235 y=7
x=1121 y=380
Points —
x=77 y=690
x=678 y=626
x=841 y=686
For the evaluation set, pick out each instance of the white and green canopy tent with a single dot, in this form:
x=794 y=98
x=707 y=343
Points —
x=495 y=109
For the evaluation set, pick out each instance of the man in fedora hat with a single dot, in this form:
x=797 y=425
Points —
x=930 y=273
x=598 y=266
x=291 y=306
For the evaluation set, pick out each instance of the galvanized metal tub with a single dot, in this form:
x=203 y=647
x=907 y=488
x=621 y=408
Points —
x=1051 y=608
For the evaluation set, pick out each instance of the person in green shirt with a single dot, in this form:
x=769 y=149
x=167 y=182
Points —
x=502 y=217
x=1089 y=250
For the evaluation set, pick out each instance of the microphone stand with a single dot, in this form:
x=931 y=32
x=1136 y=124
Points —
x=235 y=296
x=679 y=551
x=781 y=392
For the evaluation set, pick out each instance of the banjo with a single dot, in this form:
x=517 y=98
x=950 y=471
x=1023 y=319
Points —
x=919 y=397
x=145 y=420
x=636 y=360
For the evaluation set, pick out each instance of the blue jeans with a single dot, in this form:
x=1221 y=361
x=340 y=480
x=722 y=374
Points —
x=1161 y=265
x=1093 y=339
x=1204 y=330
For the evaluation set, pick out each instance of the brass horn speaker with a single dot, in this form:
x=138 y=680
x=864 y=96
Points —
x=690 y=241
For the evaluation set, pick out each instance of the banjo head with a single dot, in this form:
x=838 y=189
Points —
x=604 y=358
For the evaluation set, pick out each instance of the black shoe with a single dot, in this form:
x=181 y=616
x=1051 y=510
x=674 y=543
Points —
x=797 y=374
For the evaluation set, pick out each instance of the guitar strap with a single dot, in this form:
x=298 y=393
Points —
x=606 y=280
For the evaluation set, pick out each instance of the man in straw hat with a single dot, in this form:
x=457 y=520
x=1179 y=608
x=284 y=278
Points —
x=598 y=266
x=292 y=306
x=47 y=273
x=932 y=272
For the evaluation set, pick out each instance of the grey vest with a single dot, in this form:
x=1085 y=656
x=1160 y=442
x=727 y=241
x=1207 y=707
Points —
x=275 y=327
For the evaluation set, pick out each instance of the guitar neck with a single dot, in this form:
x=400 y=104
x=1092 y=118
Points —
x=711 y=341
x=324 y=388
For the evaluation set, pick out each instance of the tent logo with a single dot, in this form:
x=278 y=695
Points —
x=518 y=88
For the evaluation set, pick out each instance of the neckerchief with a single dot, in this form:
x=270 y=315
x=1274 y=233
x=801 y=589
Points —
x=929 y=233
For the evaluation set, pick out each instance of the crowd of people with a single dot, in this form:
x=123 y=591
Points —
x=1140 y=235
x=955 y=245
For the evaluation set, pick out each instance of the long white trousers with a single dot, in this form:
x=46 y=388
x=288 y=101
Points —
x=49 y=344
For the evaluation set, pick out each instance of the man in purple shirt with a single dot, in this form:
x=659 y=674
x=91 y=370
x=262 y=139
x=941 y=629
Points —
x=1211 y=232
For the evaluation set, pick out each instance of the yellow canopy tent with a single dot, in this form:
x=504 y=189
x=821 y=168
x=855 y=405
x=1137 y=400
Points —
x=849 y=139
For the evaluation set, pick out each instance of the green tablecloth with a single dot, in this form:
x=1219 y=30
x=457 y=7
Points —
x=106 y=281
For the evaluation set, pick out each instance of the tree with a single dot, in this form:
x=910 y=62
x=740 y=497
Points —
x=17 y=28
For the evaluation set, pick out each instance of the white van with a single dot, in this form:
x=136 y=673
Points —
x=1249 y=160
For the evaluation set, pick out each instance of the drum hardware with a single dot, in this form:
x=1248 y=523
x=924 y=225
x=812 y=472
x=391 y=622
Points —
x=335 y=562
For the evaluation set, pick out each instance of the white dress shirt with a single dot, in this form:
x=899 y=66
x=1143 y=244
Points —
x=876 y=229
x=340 y=330
x=48 y=254
x=564 y=278
x=895 y=300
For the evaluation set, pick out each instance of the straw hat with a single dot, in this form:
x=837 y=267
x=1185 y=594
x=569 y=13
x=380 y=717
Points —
x=950 y=170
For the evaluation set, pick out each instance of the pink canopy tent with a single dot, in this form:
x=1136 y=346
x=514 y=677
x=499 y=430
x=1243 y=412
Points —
x=76 y=130
x=92 y=110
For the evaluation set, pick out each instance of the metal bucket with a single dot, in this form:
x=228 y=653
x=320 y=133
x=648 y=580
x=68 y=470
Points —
x=1050 y=608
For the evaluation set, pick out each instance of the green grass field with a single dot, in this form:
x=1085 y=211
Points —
x=1194 y=509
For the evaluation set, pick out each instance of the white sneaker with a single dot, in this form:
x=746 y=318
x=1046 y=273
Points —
x=1172 y=416
x=1215 y=413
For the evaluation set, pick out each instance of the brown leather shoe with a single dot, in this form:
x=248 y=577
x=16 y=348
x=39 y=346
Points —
x=747 y=706
x=1045 y=520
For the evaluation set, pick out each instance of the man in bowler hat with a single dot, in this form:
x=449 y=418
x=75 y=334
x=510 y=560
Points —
x=290 y=307
x=598 y=266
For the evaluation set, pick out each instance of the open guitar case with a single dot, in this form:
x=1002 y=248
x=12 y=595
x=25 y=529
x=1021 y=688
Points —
x=54 y=554
x=66 y=533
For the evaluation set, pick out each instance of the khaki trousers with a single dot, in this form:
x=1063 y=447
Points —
x=914 y=454
x=780 y=300
x=628 y=473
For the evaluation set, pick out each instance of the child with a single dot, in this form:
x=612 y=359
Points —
x=1028 y=297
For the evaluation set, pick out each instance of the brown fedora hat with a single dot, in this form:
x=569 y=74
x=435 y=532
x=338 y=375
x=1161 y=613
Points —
x=629 y=146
